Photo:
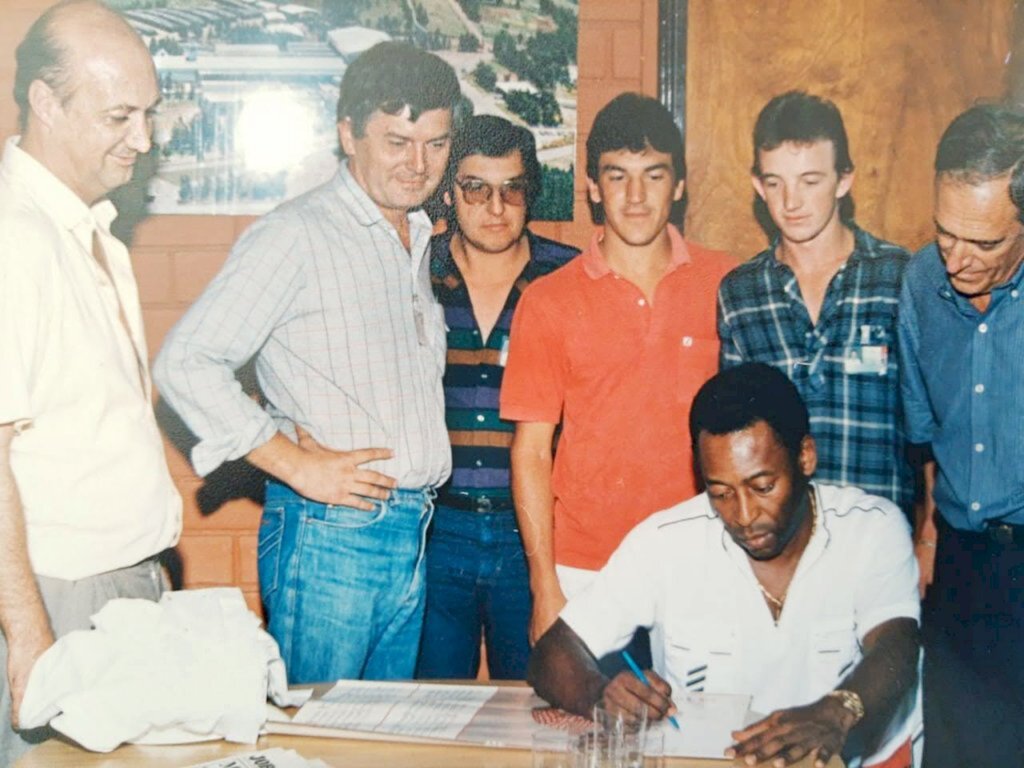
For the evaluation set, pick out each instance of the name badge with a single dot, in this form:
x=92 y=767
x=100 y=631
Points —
x=870 y=355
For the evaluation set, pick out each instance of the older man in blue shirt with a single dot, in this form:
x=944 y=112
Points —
x=962 y=347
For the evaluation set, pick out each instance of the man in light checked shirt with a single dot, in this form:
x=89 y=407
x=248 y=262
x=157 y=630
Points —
x=331 y=294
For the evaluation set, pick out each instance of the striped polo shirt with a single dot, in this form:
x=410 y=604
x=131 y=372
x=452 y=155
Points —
x=475 y=366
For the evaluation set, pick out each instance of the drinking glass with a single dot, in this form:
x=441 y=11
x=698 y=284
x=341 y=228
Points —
x=553 y=749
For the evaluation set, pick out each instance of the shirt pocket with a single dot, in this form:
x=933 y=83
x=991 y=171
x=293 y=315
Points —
x=835 y=650
x=702 y=656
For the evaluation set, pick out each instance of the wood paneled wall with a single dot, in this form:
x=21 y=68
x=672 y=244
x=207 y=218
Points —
x=899 y=70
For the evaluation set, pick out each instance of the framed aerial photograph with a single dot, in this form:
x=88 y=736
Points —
x=250 y=87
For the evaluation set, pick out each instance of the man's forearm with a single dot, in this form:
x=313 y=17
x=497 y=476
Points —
x=23 y=619
x=278 y=457
x=564 y=673
x=924 y=524
x=21 y=607
x=534 y=500
x=886 y=674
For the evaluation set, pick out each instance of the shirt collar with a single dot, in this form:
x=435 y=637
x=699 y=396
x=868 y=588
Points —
x=862 y=247
x=366 y=212
x=444 y=270
x=53 y=195
x=354 y=197
x=596 y=265
x=946 y=290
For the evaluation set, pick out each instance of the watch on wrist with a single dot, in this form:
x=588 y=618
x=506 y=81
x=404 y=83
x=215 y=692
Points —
x=850 y=701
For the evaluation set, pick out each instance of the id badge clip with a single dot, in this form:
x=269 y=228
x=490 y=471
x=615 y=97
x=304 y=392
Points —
x=870 y=354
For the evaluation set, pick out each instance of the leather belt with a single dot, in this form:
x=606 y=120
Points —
x=475 y=503
x=1005 y=535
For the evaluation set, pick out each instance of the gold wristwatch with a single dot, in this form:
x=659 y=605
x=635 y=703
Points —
x=850 y=701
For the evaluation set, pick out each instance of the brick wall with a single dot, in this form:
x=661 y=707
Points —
x=175 y=256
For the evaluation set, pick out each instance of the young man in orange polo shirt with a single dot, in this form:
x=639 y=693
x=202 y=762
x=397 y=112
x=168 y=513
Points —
x=613 y=347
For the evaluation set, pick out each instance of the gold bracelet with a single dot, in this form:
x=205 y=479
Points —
x=926 y=543
x=850 y=701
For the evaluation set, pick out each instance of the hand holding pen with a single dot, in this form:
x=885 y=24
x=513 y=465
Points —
x=628 y=690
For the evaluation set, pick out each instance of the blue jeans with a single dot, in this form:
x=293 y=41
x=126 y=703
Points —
x=343 y=587
x=476 y=581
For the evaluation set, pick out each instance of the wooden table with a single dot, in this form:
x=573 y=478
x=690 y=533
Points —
x=342 y=753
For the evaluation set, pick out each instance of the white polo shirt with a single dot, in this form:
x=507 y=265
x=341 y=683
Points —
x=680 y=574
x=87 y=455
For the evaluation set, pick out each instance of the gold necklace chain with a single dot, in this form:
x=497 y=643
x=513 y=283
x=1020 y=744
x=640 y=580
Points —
x=779 y=602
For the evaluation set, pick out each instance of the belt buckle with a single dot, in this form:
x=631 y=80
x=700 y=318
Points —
x=1001 y=534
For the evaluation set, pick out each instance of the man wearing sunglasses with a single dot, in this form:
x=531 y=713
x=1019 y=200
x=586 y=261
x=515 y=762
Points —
x=613 y=348
x=476 y=570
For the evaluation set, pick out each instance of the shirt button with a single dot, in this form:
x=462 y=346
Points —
x=476 y=332
x=979 y=388
x=479 y=417
x=975 y=506
x=983 y=328
x=979 y=447
x=641 y=302
x=479 y=462
x=483 y=376
x=1015 y=293
x=687 y=341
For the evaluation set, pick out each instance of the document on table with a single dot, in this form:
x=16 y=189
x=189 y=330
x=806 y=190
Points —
x=266 y=758
x=706 y=723
x=423 y=710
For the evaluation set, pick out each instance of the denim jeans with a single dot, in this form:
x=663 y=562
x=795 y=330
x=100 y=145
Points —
x=476 y=582
x=343 y=587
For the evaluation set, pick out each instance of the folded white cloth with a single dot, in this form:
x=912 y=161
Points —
x=194 y=666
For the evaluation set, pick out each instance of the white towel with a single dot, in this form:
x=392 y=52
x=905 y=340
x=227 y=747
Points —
x=195 y=666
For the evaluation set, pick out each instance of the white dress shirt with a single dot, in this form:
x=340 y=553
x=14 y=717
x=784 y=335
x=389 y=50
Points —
x=87 y=455
x=681 y=574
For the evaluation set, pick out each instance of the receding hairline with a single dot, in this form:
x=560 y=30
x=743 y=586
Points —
x=83 y=26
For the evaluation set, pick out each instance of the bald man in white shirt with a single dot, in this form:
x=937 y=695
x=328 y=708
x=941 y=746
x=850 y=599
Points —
x=86 y=500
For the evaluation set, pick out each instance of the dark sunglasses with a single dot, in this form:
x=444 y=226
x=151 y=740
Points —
x=477 y=192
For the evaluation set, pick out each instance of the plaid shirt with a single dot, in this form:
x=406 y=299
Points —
x=845 y=367
x=475 y=367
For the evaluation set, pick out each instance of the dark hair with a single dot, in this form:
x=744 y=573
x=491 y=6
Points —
x=983 y=143
x=633 y=122
x=739 y=397
x=41 y=55
x=493 y=136
x=801 y=118
x=391 y=76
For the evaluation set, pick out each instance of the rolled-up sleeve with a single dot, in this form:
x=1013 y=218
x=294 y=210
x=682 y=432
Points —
x=227 y=325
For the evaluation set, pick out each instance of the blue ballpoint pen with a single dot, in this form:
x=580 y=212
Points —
x=635 y=668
